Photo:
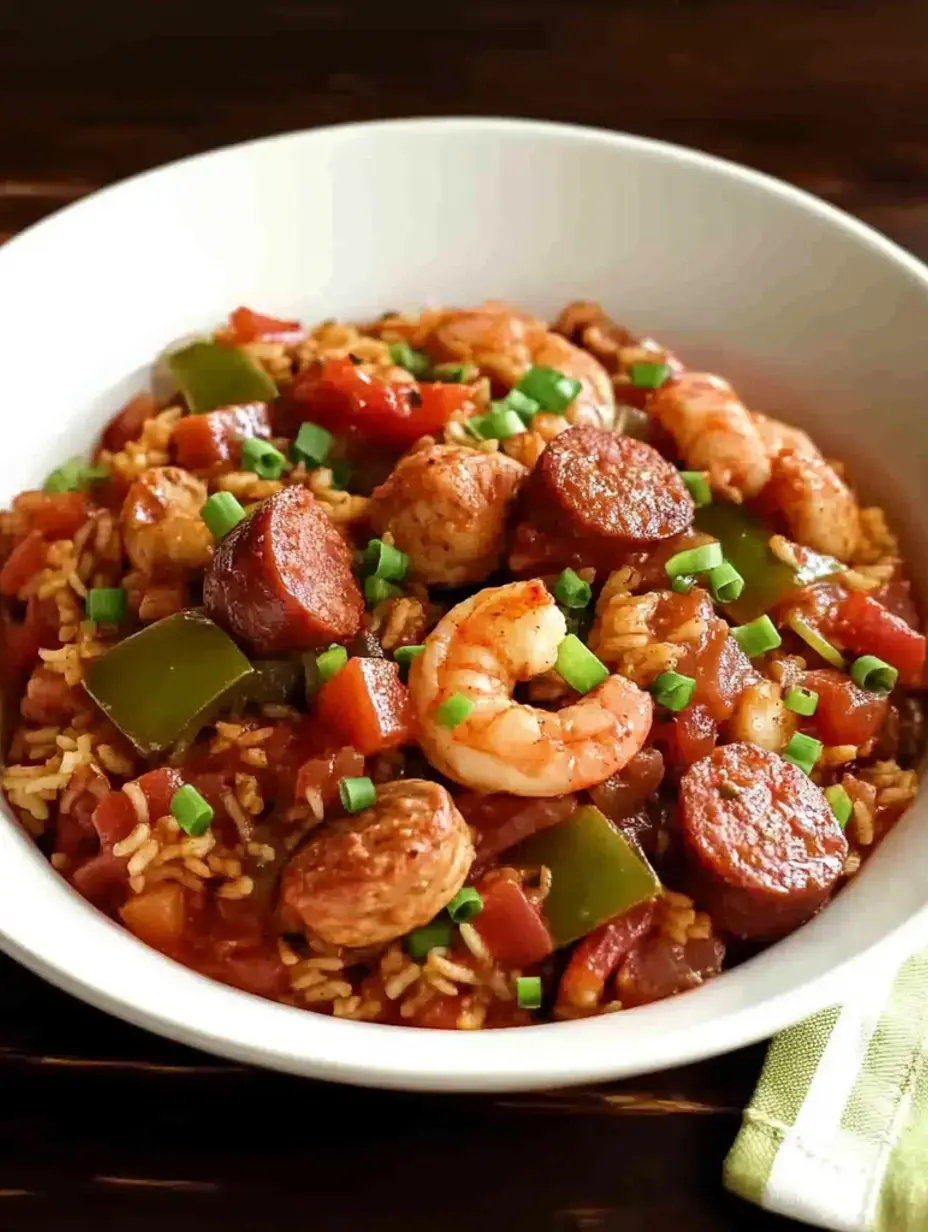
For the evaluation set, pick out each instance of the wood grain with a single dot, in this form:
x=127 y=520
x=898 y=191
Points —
x=102 y=1122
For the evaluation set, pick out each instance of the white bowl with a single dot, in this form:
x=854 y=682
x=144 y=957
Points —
x=814 y=317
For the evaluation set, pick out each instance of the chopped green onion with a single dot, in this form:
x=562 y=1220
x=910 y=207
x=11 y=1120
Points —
x=499 y=424
x=383 y=560
x=454 y=711
x=528 y=992
x=841 y=804
x=578 y=665
x=874 y=675
x=725 y=582
x=356 y=794
x=803 y=751
x=648 y=376
x=221 y=513
x=674 y=691
x=312 y=445
x=524 y=406
x=106 y=605
x=465 y=905
x=552 y=390
x=571 y=590
x=377 y=589
x=757 y=637
x=453 y=374
x=262 y=458
x=438 y=933
x=811 y=636
x=191 y=812
x=404 y=655
x=416 y=363
x=74 y=475
x=341 y=473
x=683 y=584
x=331 y=661
x=698 y=486
x=801 y=701
x=695 y=560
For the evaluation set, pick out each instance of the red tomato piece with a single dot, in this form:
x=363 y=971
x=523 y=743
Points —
x=158 y=915
x=599 y=954
x=367 y=704
x=510 y=927
x=115 y=817
x=201 y=441
x=870 y=628
x=501 y=821
x=126 y=425
x=689 y=736
x=845 y=714
x=26 y=559
x=56 y=515
x=245 y=326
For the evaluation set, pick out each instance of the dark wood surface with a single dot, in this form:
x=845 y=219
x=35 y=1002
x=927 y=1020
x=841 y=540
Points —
x=99 y=1121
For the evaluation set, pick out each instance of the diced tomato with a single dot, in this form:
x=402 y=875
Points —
x=599 y=954
x=367 y=705
x=511 y=928
x=75 y=835
x=622 y=794
x=502 y=821
x=845 y=714
x=126 y=425
x=158 y=915
x=26 y=559
x=103 y=880
x=658 y=967
x=440 y=1014
x=870 y=628
x=344 y=398
x=688 y=736
x=322 y=774
x=201 y=441
x=49 y=698
x=56 y=515
x=115 y=817
x=246 y=326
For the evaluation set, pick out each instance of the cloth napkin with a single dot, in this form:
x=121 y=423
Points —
x=837 y=1132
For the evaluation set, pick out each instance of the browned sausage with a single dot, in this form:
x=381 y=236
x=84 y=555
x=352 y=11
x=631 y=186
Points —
x=281 y=580
x=764 y=842
x=609 y=491
x=368 y=879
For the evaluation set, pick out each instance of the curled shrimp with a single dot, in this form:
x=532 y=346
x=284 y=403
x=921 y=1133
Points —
x=481 y=650
x=714 y=432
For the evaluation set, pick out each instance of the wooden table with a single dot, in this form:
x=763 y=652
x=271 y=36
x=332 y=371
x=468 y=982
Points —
x=102 y=1121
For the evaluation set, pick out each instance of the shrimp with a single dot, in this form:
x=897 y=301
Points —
x=480 y=651
x=368 y=879
x=504 y=343
x=446 y=507
x=714 y=432
x=161 y=521
x=778 y=436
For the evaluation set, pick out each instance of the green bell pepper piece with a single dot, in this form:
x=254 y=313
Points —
x=596 y=873
x=210 y=375
x=746 y=545
x=156 y=685
x=273 y=681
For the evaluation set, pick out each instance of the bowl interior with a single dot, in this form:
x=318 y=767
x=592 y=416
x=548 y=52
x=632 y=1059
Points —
x=814 y=318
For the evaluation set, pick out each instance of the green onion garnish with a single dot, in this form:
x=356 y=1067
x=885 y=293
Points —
x=552 y=390
x=192 y=813
x=811 y=636
x=383 y=560
x=331 y=661
x=341 y=473
x=454 y=711
x=874 y=675
x=841 y=804
x=404 y=655
x=262 y=458
x=416 y=363
x=106 y=605
x=648 y=376
x=757 y=637
x=801 y=701
x=803 y=751
x=528 y=992
x=453 y=374
x=465 y=905
x=578 y=665
x=220 y=513
x=524 y=406
x=725 y=582
x=695 y=560
x=499 y=424
x=312 y=445
x=437 y=933
x=571 y=590
x=377 y=589
x=356 y=794
x=672 y=690
x=698 y=484
x=683 y=584
x=74 y=475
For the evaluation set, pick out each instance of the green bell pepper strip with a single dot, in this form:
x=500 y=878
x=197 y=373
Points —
x=596 y=873
x=746 y=546
x=272 y=682
x=156 y=685
x=211 y=376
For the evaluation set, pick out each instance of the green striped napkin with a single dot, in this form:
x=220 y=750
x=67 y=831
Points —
x=837 y=1131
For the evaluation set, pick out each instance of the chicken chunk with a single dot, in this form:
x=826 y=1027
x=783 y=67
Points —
x=161 y=521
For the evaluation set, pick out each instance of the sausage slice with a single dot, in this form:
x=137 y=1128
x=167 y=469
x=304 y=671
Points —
x=763 y=840
x=281 y=580
x=612 y=491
